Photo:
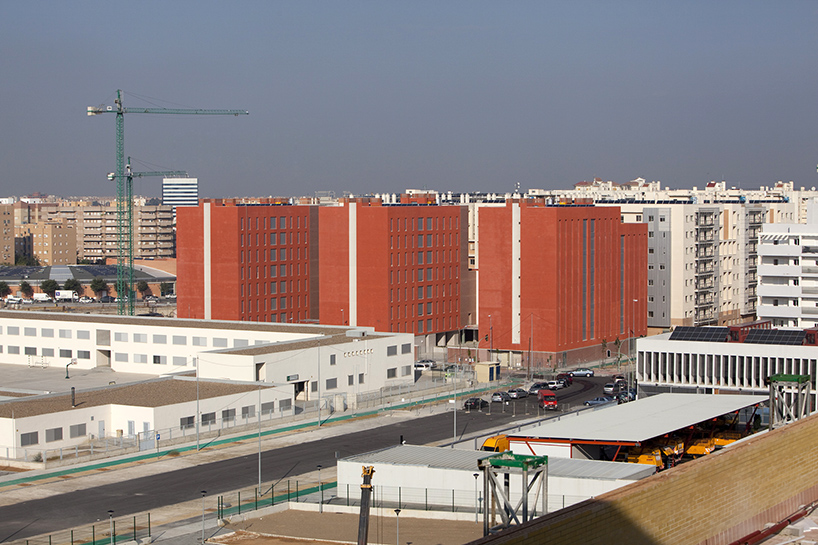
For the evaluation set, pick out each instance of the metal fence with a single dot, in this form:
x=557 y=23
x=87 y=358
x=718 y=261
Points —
x=108 y=532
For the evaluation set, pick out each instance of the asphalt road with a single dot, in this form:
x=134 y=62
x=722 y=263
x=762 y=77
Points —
x=73 y=509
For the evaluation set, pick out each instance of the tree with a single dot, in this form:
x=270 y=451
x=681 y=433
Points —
x=4 y=289
x=142 y=287
x=49 y=287
x=98 y=285
x=26 y=289
x=165 y=288
x=27 y=261
x=72 y=284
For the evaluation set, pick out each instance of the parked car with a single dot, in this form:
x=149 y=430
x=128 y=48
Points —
x=422 y=366
x=612 y=388
x=555 y=384
x=500 y=397
x=107 y=299
x=619 y=378
x=566 y=378
x=86 y=299
x=27 y=301
x=582 y=372
x=599 y=400
x=475 y=403
x=518 y=393
x=536 y=387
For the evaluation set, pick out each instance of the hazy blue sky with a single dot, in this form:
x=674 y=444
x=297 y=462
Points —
x=380 y=96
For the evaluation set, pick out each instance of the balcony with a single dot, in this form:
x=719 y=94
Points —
x=783 y=270
x=778 y=290
x=780 y=311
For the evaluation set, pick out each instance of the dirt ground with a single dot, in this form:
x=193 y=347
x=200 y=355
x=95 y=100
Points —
x=291 y=527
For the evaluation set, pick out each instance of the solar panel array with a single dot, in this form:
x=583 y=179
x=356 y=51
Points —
x=775 y=336
x=700 y=334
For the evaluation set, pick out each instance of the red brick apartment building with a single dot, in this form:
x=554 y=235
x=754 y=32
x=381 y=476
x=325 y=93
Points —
x=554 y=279
x=558 y=279
x=358 y=262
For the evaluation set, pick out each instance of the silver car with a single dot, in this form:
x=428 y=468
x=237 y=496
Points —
x=582 y=372
x=517 y=393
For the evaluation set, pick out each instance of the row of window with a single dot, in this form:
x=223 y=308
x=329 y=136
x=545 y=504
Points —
x=274 y=223
x=430 y=274
x=45 y=332
x=410 y=224
x=181 y=340
x=51 y=435
x=229 y=415
x=427 y=241
x=46 y=352
x=430 y=292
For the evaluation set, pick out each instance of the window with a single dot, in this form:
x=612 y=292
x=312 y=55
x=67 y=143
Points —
x=219 y=342
x=228 y=415
x=119 y=356
x=392 y=372
x=179 y=340
x=392 y=350
x=160 y=339
x=64 y=353
x=187 y=422
x=313 y=386
x=160 y=360
x=85 y=335
x=30 y=331
x=208 y=419
x=332 y=359
x=140 y=358
x=285 y=405
x=179 y=360
x=46 y=332
x=199 y=341
x=332 y=383
x=406 y=370
x=53 y=434
x=48 y=352
x=121 y=337
x=140 y=337
x=248 y=412
x=360 y=378
x=268 y=408
x=65 y=333
x=83 y=354
x=77 y=430
x=350 y=380
x=28 y=439
x=240 y=342
x=30 y=350
x=13 y=330
x=406 y=348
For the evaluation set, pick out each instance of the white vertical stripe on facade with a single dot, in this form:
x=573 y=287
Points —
x=515 y=273
x=207 y=278
x=353 y=265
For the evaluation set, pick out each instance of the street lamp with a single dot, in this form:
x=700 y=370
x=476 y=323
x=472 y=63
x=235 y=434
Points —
x=475 y=497
x=111 y=525
x=204 y=493
x=321 y=491
x=397 y=524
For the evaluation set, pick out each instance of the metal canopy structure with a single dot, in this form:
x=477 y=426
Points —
x=638 y=421
x=533 y=471
x=789 y=399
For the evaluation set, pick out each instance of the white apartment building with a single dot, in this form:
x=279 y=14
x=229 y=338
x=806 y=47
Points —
x=180 y=192
x=788 y=275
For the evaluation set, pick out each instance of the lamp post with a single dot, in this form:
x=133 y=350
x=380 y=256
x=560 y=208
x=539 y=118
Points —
x=476 y=519
x=111 y=525
x=320 y=491
x=204 y=493
x=397 y=525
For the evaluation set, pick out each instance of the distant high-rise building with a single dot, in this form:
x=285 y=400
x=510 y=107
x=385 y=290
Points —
x=180 y=192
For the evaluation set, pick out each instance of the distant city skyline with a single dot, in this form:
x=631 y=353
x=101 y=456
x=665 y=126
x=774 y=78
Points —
x=368 y=97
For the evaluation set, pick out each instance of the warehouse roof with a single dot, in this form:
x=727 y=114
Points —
x=151 y=393
x=466 y=460
x=640 y=420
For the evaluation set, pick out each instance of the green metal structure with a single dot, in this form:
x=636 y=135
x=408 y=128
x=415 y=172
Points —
x=124 y=192
x=124 y=275
x=497 y=470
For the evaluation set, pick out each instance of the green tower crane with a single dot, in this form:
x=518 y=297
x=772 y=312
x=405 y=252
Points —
x=125 y=303
x=124 y=196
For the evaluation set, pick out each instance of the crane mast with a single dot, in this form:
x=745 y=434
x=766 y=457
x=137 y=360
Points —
x=124 y=193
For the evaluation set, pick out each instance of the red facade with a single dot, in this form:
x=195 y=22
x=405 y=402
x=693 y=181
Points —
x=580 y=274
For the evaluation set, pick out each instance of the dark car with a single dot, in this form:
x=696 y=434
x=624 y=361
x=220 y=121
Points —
x=566 y=378
x=599 y=400
x=107 y=299
x=475 y=403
